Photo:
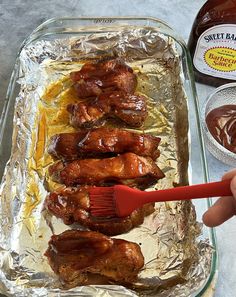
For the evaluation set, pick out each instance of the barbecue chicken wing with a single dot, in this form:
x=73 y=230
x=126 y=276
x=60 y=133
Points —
x=129 y=169
x=129 y=108
x=77 y=256
x=100 y=141
x=95 y=78
x=73 y=205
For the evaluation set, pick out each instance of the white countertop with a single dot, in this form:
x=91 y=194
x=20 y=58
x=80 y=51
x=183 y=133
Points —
x=20 y=17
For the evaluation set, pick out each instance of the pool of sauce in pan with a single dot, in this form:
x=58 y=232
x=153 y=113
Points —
x=221 y=123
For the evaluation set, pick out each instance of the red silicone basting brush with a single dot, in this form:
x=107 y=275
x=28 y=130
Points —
x=121 y=201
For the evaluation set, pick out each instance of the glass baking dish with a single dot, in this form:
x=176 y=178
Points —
x=59 y=28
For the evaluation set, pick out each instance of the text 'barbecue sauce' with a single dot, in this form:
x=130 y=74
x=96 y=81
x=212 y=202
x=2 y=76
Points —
x=221 y=123
x=212 y=43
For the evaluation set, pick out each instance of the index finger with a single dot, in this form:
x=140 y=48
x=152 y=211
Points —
x=230 y=174
x=225 y=207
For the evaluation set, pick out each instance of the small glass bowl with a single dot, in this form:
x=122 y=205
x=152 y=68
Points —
x=224 y=95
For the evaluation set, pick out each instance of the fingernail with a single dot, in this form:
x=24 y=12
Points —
x=233 y=186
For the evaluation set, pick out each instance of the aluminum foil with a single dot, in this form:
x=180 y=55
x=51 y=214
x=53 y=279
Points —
x=177 y=263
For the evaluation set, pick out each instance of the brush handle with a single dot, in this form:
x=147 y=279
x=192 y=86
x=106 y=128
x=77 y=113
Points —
x=128 y=199
x=214 y=189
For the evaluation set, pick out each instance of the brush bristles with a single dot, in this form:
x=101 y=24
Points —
x=102 y=202
x=102 y=191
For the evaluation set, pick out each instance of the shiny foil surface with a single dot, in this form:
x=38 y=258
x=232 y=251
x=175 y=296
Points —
x=177 y=262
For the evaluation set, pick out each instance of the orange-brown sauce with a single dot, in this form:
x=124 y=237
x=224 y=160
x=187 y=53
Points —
x=52 y=118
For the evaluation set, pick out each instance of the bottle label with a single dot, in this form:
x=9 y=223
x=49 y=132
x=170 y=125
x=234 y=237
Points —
x=215 y=52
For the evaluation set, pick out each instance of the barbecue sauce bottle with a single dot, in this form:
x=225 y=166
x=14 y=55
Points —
x=212 y=43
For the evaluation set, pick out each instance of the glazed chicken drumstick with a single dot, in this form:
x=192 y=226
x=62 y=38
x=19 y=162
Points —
x=73 y=205
x=77 y=256
x=100 y=141
x=95 y=78
x=128 y=168
x=129 y=108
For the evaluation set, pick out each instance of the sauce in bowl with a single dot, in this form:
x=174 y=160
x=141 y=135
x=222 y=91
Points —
x=221 y=123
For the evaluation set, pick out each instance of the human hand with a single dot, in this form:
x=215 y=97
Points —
x=225 y=207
